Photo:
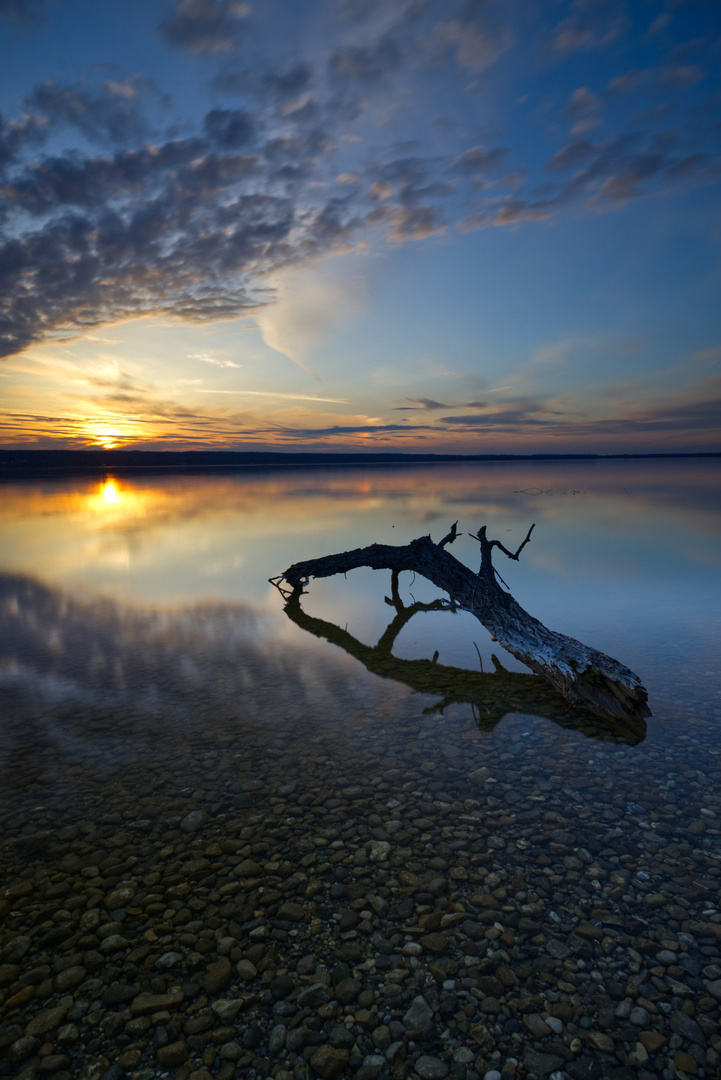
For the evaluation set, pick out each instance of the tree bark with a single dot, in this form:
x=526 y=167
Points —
x=584 y=676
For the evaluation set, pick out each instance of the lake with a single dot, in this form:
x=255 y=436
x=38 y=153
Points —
x=239 y=839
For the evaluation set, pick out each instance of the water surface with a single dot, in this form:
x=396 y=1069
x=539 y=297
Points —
x=148 y=671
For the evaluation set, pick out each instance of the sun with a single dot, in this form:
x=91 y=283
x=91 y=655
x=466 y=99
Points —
x=109 y=435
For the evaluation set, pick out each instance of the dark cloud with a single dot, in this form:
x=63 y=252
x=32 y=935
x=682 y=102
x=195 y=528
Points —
x=415 y=223
x=115 y=111
x=421 y=404
x=281 y=86
x=591 y=25
x=366 y=63
x=428 y=405
x=25 y=13
x=17 y=135
x=627 y=83
x=229 y=128
x=583 y=108
x=571 y=156
x=301 y=434
x=290 y=83
x=150 y=240
x=478 y=35
x=205 y=26
x=480 y=159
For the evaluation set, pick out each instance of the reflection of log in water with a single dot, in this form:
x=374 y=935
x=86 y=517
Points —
x=584 y=676
x=491 y=696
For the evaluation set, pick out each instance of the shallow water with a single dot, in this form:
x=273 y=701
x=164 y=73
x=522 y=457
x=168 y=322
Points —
x=148 y=672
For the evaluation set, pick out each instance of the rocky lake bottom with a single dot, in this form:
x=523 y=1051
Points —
x=368 y=892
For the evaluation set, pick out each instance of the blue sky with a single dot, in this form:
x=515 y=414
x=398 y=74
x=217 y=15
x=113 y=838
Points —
x=468 y=226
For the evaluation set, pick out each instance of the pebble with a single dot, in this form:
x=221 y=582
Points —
x=430 y=1068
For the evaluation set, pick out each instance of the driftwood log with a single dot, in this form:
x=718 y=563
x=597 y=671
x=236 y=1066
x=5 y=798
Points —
x=584 y=676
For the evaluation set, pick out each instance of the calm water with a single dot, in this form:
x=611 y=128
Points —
x=148 y=670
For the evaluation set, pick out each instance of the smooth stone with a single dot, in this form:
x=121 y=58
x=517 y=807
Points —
x=687 y=1028
x=169 y=960
x=419 y=1014
x=46 y=1021
x=685 y=1063
x=317 y=994
x=435 y=943
x=173 y=1054
x=70 y=978
x=541 y=1064
x=114 y=943
x=583 y=1068
x=379 y=850
x=329 y=1062
x=598 y=1041
x=348 y=990
x=218 y=976
x=119 y=898
x=276 y=1041
x=151 y=1003
x=291 y=912
x=638 y=1055
x=430 y=1068
x=194 y=821
x=22 y=1049
x=652 y=1040
x=536 y=1025
x=226 y=1010
x=281 y=987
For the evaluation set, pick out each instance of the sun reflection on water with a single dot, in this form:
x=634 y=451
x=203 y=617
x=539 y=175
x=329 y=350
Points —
x=110 y=491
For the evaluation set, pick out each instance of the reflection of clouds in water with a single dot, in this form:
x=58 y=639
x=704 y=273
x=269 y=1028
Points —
x=172 y=667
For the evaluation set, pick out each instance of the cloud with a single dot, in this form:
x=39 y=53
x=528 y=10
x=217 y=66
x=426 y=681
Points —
x=592 y=25
x=276 y=394
x=114 y=112
x=627 y=83
x=583 y=108
x=478 y=36
x=571 y=156
x=205 y=26
x=423 y=404
x=25 y=13
x=366 y=63
x=229 y=128
x=18 y=135
x=480 y=159
x=311 y=304
x=205 y=358
x=199 y=223
x=428 y=405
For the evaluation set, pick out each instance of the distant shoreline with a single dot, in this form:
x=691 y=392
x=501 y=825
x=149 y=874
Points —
x=18 y=463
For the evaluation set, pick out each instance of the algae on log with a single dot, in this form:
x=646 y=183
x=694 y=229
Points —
x=584 y=676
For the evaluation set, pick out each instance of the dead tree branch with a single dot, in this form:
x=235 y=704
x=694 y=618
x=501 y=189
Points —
x=583 y=675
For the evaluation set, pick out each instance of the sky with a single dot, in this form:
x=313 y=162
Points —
x=469 y=226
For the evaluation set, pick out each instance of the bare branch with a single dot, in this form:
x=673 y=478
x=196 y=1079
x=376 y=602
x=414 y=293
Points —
x=584 y=676
x=451 y=535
